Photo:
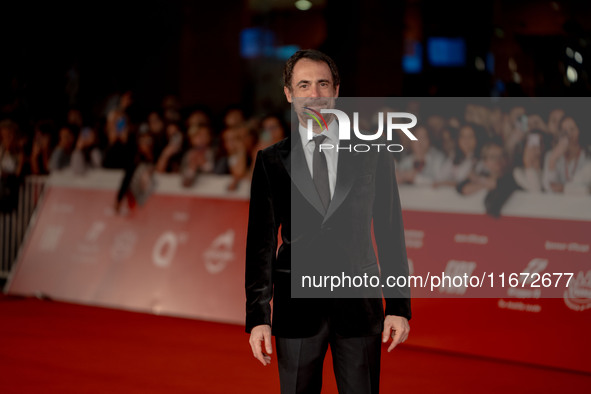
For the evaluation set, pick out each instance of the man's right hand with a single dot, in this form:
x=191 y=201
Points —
x=260 y=334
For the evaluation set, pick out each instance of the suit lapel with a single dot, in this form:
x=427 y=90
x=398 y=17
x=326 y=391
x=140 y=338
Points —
x=295 y=162
x=345 y=176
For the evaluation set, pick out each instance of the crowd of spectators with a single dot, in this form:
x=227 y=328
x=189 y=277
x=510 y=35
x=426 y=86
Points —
x=485 y=148
x=499 y=152
x=168 y=139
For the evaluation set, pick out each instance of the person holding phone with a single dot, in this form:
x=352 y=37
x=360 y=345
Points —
x=171 y=156
x=528 y=173
x=566 y=158
x=87 y=153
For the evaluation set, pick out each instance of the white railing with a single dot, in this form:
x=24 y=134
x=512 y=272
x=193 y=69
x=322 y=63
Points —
x=14 y=222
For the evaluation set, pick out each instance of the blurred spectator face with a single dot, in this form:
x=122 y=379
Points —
x=197 y=118
x=535 y=122
x=272 y=130
x=436 y=123
x=43 y=139
x=171 y=105
x=494 y=159
x=421 y=147
x=66 y=138
x=7 y=135
x=532 y=153
x=232 y=141
x=87 y=137
x=200 y=136
x=155 y=123
x=467 y=141
x=476 y=114
x=454 y=122
x=448 y=143
x=145 y=144
x=496 y=120
x=515 y=115
x=74 y=117
x=126 y=100
x=234 y=118
x=554 y=120
x=569 y=128
x=172 y=129
x=172 y=115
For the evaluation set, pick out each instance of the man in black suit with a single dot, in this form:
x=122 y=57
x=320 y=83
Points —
x=324 y=204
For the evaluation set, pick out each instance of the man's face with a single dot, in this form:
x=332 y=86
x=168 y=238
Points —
x=311 y=86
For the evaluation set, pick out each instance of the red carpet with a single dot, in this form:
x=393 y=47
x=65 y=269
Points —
x=55 y=347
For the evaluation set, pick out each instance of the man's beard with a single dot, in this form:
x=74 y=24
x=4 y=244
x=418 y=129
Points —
x=306 y=105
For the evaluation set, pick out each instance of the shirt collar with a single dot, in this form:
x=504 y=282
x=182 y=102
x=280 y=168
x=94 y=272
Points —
x=332 y=133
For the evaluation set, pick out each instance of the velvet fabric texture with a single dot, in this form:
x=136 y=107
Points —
x=283 y=197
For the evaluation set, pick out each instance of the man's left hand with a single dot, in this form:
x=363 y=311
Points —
x=396 y=327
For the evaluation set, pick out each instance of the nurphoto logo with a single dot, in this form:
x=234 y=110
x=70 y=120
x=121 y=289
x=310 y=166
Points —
x=345 y=129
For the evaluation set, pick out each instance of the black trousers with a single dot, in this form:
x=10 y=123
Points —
x=356 y=362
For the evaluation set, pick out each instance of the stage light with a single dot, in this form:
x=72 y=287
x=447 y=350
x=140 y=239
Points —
x=571 y=74
x=479 y=63
x=578 y=57
x=512 y=64
x=516 y=77
x=569 y=52
x=303 y=5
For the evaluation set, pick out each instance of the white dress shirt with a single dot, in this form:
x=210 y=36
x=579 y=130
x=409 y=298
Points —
x=563 y=173
x=332 y=155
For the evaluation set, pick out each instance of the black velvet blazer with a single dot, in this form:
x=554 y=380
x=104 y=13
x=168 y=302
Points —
x=283 y=198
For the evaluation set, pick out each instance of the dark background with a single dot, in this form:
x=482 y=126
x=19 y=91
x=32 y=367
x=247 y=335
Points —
x=59 y=55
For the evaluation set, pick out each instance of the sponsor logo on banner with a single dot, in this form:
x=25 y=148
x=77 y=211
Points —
x=535 y=266
x=455 y=268
x=519 y=306
x=578 y=295
x=471 y=239
x=51 y=238
x=166 y=246
x=569 y=247
x=123 y=245
x=414 y=238
x=220 y=252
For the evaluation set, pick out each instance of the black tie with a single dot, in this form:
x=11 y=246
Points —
x=320 y=172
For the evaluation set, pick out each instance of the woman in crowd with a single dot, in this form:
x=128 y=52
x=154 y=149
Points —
x=62 y=154
x=87 y=153
x=528 y=173
x=41 y=148
x=422 y=165
x=235 y=158
x=138 y=181
x=200 y=156
x=460 y=164
x=492 y=175
x=120 y=148
x=567 y=157
x=171 y=156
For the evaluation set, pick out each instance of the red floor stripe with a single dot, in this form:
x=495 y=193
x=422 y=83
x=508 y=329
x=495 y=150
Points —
x=55 y=347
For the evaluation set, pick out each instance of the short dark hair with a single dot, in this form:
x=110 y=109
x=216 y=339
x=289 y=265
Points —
x=311 y=54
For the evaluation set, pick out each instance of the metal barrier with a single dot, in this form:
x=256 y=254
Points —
x=14 y=224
